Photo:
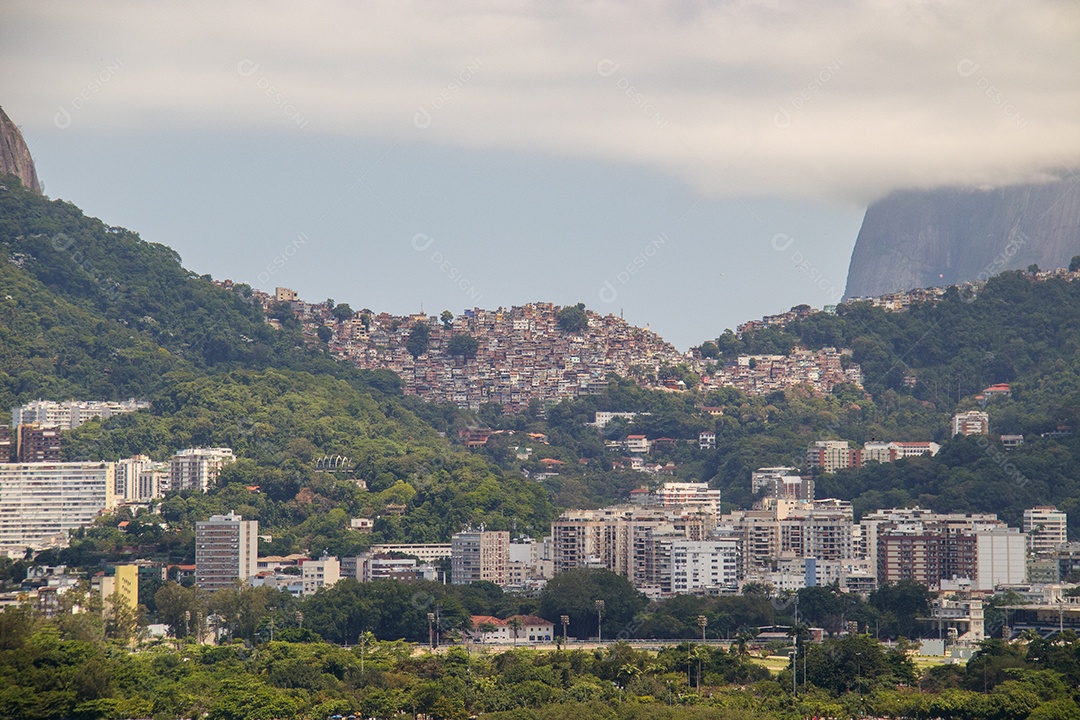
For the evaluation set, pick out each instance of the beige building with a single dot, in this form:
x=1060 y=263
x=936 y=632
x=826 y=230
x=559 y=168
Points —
x=324 y=572
x=972 y=422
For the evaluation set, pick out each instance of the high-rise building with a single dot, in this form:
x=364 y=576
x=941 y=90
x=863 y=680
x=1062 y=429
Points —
x=1046 y=528
x=477 y=555
x=197 y=468
x=153 y=481
x=40 y=503
x=226 y=550
x=127 y=477
x=38 y=443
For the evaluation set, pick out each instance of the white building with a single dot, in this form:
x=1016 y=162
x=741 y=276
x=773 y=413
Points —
x=128 y=471
x=1000 y=557
x=637 y=444
x=1046 y=528
x=40 y=503
x=72 y=413
x=603 y=418
x=226 y=550
x=424 y=552
x=704 y=565
x=323 y=572
x=197 y=468
x=522 y=629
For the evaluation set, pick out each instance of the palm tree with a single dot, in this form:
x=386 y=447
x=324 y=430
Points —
x=743 y=636
x=515 y=625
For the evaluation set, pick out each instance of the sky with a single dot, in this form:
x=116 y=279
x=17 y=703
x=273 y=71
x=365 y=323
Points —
x=689 y=165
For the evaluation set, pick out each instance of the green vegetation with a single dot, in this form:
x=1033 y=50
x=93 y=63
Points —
x=418 y=339
x=572 y=318
x=463 y=346
x=77 y=666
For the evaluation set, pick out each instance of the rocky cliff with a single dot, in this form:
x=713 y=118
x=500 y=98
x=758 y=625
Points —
x=15 y=156
x=941 y=237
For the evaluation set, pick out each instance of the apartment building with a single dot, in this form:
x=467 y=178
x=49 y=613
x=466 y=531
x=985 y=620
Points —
x=72 y=413
x=40 y=503
x=38 y=443
x=315 y=574
x=479 y=555
x=832 y=455
x=971 y=422
x=688 y=494
x=5 y=444
x=197 y=468
x=226 y=550
x=1046 y=528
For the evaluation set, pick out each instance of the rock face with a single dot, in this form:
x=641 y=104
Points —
x=941 y=237
x=15 y=156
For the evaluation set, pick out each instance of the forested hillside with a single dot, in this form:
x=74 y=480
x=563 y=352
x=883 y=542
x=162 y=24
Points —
x=94 y=312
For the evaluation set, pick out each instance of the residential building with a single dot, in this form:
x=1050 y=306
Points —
x=933 y=548
x=226 y=551
x=128 y=472
x=1046 y=528
x=886 y=452
x=72 y=413
x=637 y=444
x=832 y=455
x=424 y=552
x=479 y=555
x=197 y=468
x=704 y=565
x=688 y=494
x=283 y=294
x=617 y=538
x=5 y=444
x=971 y=422
x=706 y=440
x=603 y=418
x=782 y=483
x=960 y=616
x=38 y=443
x=153 y=481
x=315 y=574
x=40 y=503
x=380 y=566
x=118 y=586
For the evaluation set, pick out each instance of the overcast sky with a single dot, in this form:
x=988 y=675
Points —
x=692 y=165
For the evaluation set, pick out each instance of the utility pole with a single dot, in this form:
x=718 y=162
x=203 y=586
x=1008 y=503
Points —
x=599 y=622
x=702 y=621
x=565 y=620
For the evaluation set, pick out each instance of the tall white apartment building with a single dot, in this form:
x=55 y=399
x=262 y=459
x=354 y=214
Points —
x=226 y=550
x=197 y=468
x=703 y=565
x=40 y=503
x=1046 y=528
x=832 y=455
x=127 y=477
x=71 y=414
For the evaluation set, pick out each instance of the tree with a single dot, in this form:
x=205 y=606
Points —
x=515 y=625
x=342 y=311
x=418 y=339
x=447 y=318
x=324 y=333
x=575 y=593
x=464 y=346
x=572 y=318
x=709 y=349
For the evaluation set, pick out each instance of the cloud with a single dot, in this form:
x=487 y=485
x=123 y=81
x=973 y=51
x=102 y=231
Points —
x=835 y=100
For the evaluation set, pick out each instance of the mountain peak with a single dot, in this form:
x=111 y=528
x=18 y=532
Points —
x=15 y=157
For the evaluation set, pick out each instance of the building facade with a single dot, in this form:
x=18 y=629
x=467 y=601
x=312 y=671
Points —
x=197 y=468
x=226 y=550
x=40 y=503
x=477 y=555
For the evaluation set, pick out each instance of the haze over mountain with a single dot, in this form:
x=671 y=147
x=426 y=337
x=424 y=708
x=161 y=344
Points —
x=934 y=238
x=15 y=157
